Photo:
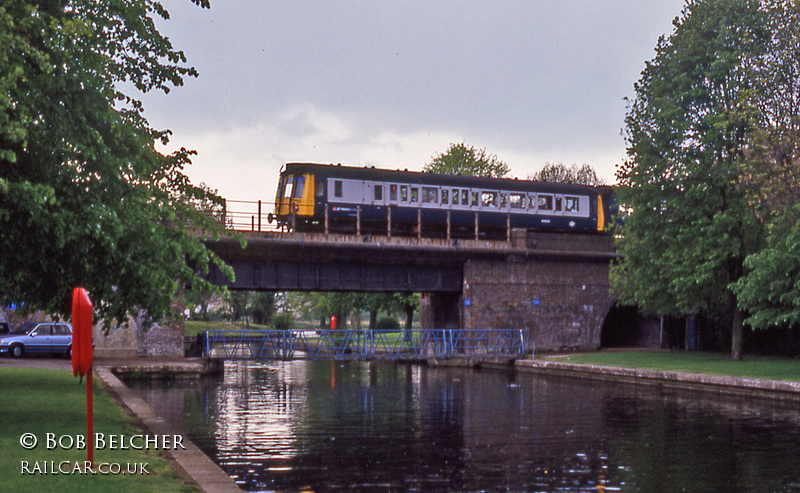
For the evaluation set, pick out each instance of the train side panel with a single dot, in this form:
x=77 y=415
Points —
x=307 y=190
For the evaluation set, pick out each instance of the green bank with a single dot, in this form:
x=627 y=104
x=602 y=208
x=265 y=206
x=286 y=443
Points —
x=42 y=439
x=692 y=362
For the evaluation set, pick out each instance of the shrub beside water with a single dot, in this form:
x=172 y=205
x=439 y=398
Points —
x=387 y=324
x=282 y=321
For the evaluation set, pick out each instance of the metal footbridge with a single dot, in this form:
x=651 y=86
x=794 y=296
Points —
x=363 y=344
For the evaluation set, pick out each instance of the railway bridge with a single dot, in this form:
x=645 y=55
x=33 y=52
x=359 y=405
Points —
x=550 y=288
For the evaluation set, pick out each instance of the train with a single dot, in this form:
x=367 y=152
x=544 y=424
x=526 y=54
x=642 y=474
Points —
x=334 y=198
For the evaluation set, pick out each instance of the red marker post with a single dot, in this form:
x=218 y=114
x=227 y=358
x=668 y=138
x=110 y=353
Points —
x=82 y=356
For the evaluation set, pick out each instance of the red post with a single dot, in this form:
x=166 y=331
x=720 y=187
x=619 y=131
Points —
x=82 y=356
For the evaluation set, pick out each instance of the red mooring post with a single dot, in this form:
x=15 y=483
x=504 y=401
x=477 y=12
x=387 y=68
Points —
x=82 y=356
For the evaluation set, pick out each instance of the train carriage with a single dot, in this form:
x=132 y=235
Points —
x=336 y=198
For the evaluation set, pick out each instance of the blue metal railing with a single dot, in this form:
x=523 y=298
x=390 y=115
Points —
x=363 y=344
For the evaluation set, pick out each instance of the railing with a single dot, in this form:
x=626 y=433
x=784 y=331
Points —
x=363 y=344
x=248 y=215
x=253 y=216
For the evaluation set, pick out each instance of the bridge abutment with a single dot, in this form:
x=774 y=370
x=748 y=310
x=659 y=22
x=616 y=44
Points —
x=559 y=300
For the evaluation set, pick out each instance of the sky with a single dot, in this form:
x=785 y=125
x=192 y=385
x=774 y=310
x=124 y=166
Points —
x=392 y=84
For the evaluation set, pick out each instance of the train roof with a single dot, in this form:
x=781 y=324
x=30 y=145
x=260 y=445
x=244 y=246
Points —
x=437 y=179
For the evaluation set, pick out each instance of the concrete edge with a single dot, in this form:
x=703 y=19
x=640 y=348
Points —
x=208 y=476
x=775 y=389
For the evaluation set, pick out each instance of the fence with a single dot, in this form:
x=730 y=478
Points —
x=363 y=344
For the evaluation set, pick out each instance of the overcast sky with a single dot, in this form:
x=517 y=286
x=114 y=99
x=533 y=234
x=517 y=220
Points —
x=393 y=83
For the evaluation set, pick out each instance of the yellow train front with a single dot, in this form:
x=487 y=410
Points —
x=345 y=199
x=295 y=198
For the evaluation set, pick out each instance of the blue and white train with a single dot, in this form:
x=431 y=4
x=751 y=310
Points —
x=336 y=198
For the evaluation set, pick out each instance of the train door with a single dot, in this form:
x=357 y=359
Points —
x=558 y=205
x=375 y=193
x=345 y=191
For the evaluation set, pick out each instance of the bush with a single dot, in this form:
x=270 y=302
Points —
x=282 y=321
x=387 y=324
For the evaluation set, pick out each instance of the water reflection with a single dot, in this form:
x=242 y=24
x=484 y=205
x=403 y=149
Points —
x=321 y=426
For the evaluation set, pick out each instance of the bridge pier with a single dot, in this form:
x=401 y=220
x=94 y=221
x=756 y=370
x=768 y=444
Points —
x=440 y=310
x=558 y=303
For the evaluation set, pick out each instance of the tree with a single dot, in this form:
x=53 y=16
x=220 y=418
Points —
x=262 y=307
x=688 y=226
x=770 y=289
x=560 y=173
x=239 y=305
x=85 y=197
x=461 y=159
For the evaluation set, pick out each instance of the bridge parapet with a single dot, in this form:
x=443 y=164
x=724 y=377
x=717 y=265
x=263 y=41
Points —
x=522 y=242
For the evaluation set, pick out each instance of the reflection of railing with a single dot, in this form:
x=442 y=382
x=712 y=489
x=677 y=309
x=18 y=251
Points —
x=363 y=344
x=248 y=215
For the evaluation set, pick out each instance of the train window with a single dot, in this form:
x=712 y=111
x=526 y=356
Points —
x=558 y=204
x=393 y=192
x=337 y=188
x=517 y=201
x=503 y=200
x=299 y=185
x=430 y=195
x=445 y=196
x=287 y=189
x=464 y=198
x=489 y=199
x=545 y=202
x=474 y=199
x=378 y=192
x=571 y=204
x=414 y=194
x=319 y=188
x=404 y=193
x=455 y=196
x=281 y=183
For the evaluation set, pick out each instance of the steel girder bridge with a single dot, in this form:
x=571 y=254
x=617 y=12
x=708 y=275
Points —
x=363 y=344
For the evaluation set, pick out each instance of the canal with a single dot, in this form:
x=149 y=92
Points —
x=378 y=426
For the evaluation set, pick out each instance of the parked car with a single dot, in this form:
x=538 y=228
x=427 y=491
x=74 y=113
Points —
x=38 y=338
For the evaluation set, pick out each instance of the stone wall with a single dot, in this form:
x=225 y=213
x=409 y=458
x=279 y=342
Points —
x=119 y=343
x=560 y=305
x=132 y=341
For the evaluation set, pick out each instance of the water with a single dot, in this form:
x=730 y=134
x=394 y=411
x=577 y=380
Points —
x=333 y=426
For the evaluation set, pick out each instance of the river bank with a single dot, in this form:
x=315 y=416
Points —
x=627 y=369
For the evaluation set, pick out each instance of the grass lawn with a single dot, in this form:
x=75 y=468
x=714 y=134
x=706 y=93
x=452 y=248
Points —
x=42 y=402
x=693 y=362
x=194 y=327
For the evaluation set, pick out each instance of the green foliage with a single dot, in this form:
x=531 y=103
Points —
x=461 y=159
x=388 y=324
x=560 y=173
x=771 y=170
x=770 y=292
x=712 y=183
x=688 y=226
x=262 y=307
x=85 y=197
x=283 y=321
